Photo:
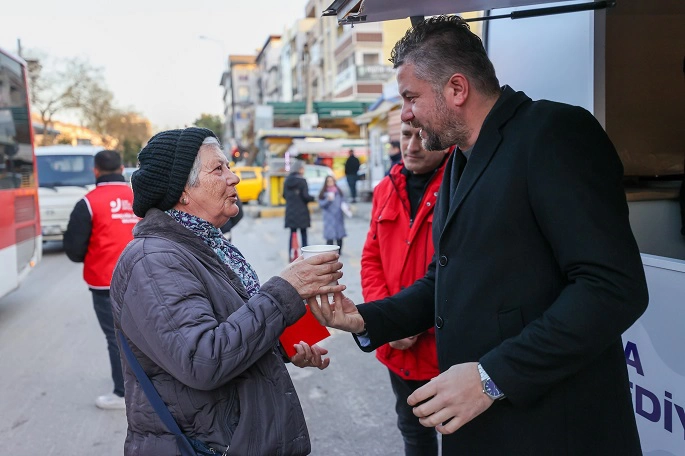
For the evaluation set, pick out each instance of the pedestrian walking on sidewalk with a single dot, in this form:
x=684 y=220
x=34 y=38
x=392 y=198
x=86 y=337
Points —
x=331 y=201
x=100 y=227
x=199 y=322
x=297 y=197
x=351 y=174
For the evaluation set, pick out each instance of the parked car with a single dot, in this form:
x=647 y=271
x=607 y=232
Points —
x=315 y=175
x=252 y=186
x=65 y=175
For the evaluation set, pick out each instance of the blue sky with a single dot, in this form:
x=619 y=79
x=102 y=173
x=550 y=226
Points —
x=153 y=58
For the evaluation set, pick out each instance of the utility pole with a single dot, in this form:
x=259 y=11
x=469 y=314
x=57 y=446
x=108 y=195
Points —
x=306 y=59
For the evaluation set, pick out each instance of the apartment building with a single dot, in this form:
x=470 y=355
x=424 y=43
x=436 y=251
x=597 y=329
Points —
x=321 y=42
x=362 y=56
x=315 y=67
x=295 y=60
x=269 y=67
x=350 y=63
x=241 y=93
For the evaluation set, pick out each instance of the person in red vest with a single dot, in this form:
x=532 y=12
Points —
x=397 y=252
x=100 y=226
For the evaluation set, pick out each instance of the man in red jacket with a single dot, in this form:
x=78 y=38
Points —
x=397 y=252
x=100 y=226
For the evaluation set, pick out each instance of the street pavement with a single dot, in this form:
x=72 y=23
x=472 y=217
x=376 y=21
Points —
x=54 y=362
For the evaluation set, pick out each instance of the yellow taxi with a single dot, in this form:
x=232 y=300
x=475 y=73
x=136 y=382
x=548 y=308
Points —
x=252 y=183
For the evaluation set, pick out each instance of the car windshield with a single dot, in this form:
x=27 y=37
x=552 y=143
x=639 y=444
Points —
x=63 y=170
x=317 y=172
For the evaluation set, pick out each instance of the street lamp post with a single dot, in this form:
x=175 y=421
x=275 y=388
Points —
x=306 y=59
x=221 y=45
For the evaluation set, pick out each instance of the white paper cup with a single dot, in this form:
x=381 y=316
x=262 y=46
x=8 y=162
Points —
x=313 y=250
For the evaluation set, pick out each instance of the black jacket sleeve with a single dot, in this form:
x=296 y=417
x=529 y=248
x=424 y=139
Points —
x=77 y=236
x=305 y=192
x=409 y=312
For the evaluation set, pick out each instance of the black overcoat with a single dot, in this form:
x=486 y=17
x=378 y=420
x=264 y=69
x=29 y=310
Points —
x=536 y=275
x=296 y=195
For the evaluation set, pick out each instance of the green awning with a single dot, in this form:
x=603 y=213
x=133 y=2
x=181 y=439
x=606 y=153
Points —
x=325 y=109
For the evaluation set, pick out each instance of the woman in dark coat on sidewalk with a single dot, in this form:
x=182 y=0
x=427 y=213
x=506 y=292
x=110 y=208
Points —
x=296 y=195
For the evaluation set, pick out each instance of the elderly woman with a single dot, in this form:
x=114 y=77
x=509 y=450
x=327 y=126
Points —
x=196 y=317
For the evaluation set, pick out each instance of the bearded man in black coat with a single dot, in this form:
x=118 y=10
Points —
x=536 y=272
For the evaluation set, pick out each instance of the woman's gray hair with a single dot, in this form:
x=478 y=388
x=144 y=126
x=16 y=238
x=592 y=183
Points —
x=296 y=166
x=194 y=175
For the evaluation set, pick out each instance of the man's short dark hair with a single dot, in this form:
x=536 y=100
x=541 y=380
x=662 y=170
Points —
x=395 y=144
x=108 y=161
x=441 y=46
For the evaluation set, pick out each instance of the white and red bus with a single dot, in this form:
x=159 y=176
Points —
x=20 y=235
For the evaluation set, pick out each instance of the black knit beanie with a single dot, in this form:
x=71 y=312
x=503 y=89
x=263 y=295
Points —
x=164 y=165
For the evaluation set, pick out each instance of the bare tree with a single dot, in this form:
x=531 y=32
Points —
x=59 y=86
x=96 y=107
x=75 y=87
x=132 y=131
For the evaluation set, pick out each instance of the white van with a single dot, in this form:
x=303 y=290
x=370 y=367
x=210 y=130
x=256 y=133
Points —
x=65 y=175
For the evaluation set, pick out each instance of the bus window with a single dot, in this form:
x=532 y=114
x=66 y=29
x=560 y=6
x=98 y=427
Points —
x=16 y=152
x=20 y=241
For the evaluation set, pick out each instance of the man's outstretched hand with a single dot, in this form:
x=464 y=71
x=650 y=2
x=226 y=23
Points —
x=340 y=314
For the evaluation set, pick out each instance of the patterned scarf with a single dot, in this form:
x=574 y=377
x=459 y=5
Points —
x=227 y=252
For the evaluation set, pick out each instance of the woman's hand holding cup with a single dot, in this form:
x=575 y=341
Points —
x=314 y=275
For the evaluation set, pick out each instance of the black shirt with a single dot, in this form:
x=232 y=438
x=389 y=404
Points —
x=416 y=187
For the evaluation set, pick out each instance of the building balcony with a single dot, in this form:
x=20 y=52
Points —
x=349 y=40
x=365 y=79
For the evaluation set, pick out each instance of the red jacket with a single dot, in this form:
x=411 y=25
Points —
x=395 y=255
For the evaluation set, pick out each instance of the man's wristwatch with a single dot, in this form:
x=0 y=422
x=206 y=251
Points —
x=364 y=332
x=489 y=386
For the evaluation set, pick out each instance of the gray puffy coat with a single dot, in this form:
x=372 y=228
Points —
x=333 y=217
x=208 y=350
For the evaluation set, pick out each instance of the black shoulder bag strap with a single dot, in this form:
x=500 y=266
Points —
x=157 y=403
